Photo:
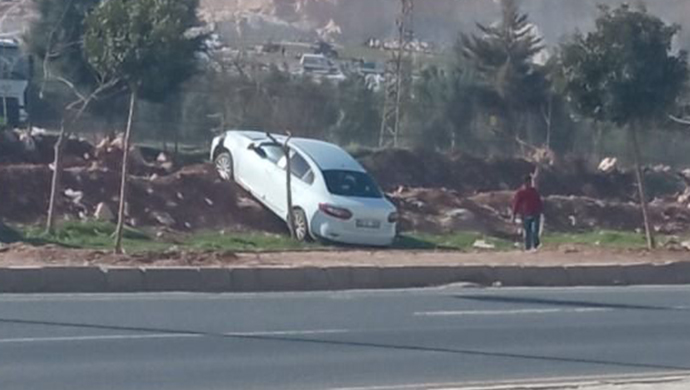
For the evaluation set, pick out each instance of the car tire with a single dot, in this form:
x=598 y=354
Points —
x=299 y=218
x=225 y=165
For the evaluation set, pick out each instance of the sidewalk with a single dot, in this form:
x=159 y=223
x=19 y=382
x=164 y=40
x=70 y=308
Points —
x=52 y=269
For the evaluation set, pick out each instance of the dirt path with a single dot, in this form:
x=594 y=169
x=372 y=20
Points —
x=24 y=256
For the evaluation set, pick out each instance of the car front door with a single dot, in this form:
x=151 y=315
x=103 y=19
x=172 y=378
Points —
x=260 y=169
x=302 y=178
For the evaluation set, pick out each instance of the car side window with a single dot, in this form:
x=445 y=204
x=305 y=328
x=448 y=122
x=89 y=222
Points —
x=273 y=152
x=309 y=177
x=299 y=167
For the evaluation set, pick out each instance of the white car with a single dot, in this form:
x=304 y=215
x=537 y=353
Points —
x=334 y=198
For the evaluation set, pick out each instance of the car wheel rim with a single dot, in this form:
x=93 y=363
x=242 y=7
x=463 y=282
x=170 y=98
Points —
x=224 y=167
x=300 y=226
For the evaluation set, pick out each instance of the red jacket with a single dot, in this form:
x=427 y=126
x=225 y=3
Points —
x=527 y=202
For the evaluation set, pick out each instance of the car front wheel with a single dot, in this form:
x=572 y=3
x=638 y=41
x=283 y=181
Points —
x=224 y=165
x=301 y=224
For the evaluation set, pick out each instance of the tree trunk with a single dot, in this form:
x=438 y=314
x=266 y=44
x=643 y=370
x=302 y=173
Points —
x=125 y=169
x=177 y=143
x=288 y=170
x=649 y=232
x=548 y=119
x=57 y=179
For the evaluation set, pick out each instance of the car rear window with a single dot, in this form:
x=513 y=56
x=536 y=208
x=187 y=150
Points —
x=351 y=183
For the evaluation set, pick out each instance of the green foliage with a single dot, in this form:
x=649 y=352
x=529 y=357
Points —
x=503 y=56
x=442 y=108
x=360 y=113
x=603 y=238
x=625 y=71
x=91 y=235
x=145 y=44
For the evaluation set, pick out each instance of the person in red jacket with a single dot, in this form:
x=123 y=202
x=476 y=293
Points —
x=528 y=205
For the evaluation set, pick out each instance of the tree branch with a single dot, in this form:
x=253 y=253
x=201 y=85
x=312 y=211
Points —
x=682 y=121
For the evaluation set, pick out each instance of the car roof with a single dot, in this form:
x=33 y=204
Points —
x=326 y=155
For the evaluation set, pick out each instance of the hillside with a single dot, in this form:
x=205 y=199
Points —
x=435 y=20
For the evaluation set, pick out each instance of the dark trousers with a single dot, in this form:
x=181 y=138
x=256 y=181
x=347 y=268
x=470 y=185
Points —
x=531 y=225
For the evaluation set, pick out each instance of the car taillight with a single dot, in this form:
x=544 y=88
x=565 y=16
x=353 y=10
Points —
x=393 y=217
x=336 y=212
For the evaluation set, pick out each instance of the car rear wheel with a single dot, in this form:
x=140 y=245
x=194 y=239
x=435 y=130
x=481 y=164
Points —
x=299 y=219
x=224 y=165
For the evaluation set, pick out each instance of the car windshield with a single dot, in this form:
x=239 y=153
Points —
x=351 y=183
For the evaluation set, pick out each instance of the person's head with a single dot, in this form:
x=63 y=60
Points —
x=527 y=181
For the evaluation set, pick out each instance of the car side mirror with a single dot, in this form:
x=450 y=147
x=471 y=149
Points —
x=258 y=150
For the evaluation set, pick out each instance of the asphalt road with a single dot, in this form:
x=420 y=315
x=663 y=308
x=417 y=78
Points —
x=362 y=339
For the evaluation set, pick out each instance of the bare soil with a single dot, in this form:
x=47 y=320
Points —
x=436 y=193
x=21 y=255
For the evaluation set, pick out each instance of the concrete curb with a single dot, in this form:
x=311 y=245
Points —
x=217 y=280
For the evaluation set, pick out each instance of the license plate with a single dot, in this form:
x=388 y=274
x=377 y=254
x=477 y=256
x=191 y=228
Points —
x=368 y=223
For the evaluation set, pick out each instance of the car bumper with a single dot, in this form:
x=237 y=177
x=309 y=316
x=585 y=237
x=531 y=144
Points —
x=346 y=232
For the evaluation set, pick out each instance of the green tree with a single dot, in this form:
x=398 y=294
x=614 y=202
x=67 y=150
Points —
x=625 y=72
x=358 y=122
x=443 y=107
x=503 y=57
x=147 y=46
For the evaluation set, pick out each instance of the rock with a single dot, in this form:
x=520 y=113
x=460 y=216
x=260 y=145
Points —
x=685 y=245
x=661 y=168
x=608 y=164
x=685 y=173
x=28 y=142
x=573 y=220
x=482 y=244
x=76 y=196
x=208 y=201
x=103 y=212
x=162 y=158
x=117 y=142
x=163 y=218
x=461 y=214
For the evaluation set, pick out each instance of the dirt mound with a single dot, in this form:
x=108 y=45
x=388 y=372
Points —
x=192 y=198
x=470 y=175
x=397 y=167
x=574 y=213
x=16 y=147
x=446 y=211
